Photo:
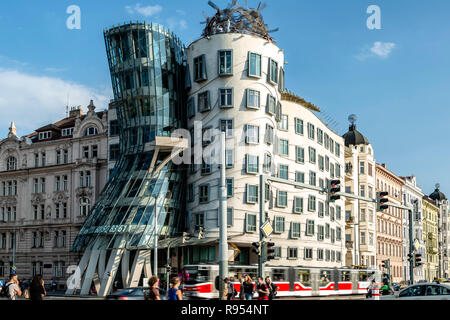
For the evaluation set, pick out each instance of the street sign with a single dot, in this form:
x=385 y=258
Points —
x=416 y=244
x=267 y=229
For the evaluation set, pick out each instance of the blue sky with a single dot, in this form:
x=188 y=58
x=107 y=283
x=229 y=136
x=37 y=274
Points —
x=398 y=88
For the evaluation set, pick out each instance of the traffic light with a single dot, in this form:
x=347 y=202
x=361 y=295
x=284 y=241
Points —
x=410 y=258
x=385 y=264
x=168 y=269
x=381 y=200
x=255 y=249
x=334 y=186
x=417 y=260
x=200 y=233
x=270 y=251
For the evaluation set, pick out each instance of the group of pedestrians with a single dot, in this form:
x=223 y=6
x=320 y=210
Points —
x=265 y=289
x=34 y=291
x=174 y=293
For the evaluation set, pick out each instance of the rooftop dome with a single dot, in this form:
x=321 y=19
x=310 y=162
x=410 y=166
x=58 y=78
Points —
x=354 y=137
x=437 y=195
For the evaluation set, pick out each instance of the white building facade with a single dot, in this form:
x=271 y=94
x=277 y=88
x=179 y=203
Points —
x=238 y=88
x=412 y=197
x=48 y=182
x=360 y=216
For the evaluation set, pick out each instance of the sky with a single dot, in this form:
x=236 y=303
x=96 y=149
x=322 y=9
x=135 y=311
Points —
x=395 y=79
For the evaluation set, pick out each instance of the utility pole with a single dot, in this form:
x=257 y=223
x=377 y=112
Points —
x=223 y=224
x=155 y=245
x=262 y=182
x=411 y=247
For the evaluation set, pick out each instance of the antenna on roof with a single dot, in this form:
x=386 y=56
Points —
x=67 y=106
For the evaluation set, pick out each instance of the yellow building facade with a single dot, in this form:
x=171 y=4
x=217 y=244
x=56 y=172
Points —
x=430 y=236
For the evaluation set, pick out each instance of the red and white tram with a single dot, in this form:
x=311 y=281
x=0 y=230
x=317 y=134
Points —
x=201 y=281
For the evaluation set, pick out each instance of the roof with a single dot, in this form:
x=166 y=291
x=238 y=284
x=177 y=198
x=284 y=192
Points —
x=289 y=96
x=438 y=195
x=354 y=137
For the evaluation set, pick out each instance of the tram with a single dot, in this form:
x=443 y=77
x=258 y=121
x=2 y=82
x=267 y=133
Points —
x=201 y=281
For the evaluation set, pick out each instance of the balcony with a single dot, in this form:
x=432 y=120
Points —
x=349 y=220
x=349 y=245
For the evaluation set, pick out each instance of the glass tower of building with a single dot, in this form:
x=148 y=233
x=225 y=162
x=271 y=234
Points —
x=147 y=65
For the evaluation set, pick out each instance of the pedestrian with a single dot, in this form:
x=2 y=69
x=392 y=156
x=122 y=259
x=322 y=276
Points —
x=12 y=287
x=231 y=290
x=249 y=288
x=37 y=288
x=273 y=288
x=225 y=289
x=175 y=292
x=153 y=283
x=262 y=289
x=241 y=288
x=370 y=288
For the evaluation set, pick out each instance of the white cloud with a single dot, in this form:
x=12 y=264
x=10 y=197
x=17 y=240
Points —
x=378 y=49
x=33 y=101
x=176 y=24
x=147 y=11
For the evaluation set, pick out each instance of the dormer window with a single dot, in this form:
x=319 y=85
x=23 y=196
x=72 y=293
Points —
x=91 y=131
x=45 y=135
x=67 y=132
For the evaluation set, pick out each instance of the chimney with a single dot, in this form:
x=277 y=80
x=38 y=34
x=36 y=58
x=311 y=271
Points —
x=383 y=165
x=75 y=112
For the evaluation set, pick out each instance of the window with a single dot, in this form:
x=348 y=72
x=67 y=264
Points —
x=225 y=63
x=253 y=99
x=362 y=191
x=338 y=170
x=191 y=107
x=299 y=154
x=190 y=192
x=225 y=98
x=252 y=164
x=299 y=177
x=42 y=185
x=320 y=254
x=311 y=131
x=58 y=156
x=204 y=102
x=94 y=151
x=363 y=238
x=361 y=167
x=327 y=231
x=309 y=227
x=230 y=217
x=65 y=156
x=229 y=158
x=43 y=162
x=338 y=213
x=271 y=105
x=283 y=172
x=91 y=131
x=312 y=203
x=199 y=221
x=230 y=187
x=57 y=183
x=284 y=147
x=84 y=207
x=338 y=150
x=45 y=135
x=321 y=209
x=284 y=123
x=11 y=164
x=204 y=193
x=308 y=253
x=114 y=151
x=85 y=152
x=279 y=225
x=312 y=155
x=254 y=65
x=292 y=253
x=273 y=71
x=362 y=216
x=252 y=134
x=252 y=193
x=298 y=205
x=320 y=233
x=227 y=127
x=312 y=178
x=369 y=169
x=282 y=199
x=200 y=69
x=267 y=162
x=251 y=223
x=298 y=126
x=268 y=137
x=331 y=170
x=319 y=136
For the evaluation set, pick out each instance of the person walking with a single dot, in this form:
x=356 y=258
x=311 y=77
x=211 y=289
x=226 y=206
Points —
x=37 y=288
x=231 y=290
x=225 y=289
x=249 y=288
x=12 y=287
x=241 y=288
x=273 y=288
x=153 y=283
x=262 y=289
x=175 y=292
x=371 y=286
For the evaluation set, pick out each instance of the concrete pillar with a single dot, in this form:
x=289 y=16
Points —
x=138 y=264
x=89 y=275
x=80 y=270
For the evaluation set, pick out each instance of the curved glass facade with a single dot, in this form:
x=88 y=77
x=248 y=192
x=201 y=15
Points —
x=148 y=70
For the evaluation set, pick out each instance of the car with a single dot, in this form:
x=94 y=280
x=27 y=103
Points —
x=137 y=293
x=422 y=291
x=396 y=286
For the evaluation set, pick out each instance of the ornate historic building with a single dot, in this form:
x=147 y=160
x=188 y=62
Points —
x=390 y=223
x=360 y=216
x=48 y=182
x=430 y=237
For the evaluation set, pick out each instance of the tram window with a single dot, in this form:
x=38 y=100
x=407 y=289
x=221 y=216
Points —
x=325 y=277
x=195 y=275
x=279 y=275
x=304 y=277
x=345 y=276
x=363 y=276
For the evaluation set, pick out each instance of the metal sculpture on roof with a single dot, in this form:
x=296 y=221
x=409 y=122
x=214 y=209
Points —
x=237 y=19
